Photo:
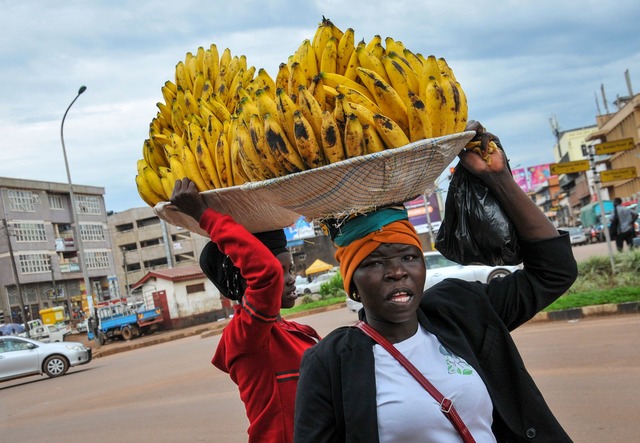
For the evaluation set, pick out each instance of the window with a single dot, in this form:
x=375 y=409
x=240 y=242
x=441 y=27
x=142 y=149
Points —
x=97 y=260
x=34 y=263
x=21 y=200
x=55 y=201
x=87 y=204
x=192 y=289
x=29 y=232
x=91 y=232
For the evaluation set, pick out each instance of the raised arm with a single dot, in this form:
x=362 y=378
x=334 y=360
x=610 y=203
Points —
x=528 y=220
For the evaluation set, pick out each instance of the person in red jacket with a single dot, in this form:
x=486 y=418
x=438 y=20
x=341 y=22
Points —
x=259 y=350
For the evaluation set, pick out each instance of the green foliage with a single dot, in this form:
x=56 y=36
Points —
x=314 y=304
x=332 y=288
x=595 y=274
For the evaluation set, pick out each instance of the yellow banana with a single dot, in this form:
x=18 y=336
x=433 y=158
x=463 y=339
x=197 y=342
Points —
x=365 y=115
x=167 y=185
x=146 y=193
x=296 y=78
x=177 y=169
x=222 y=157
x=211 y=133
x=371 y=62
x=332 y=80
x=354 y=63
x=192 y=169
x=419 y=123
x=372 y=140
x=451 y=110
x=332 y=145
x=311 y=110
x=340 y=111
x=335 y=31
x=371 y=46
x=266 y=104
x=378 y=51
x=410 y=72
x=393 y=45
x=182 y=78
x=430 y=69
x=207 y=165
x=464 y=110
x=392 y=135
x=415 y=61
x=387 y=99
x=282 y=78
x=346 y=46
x=306 y=142
x=399 y=79
x=169 y=92
x=354 y=96
x=219 y=110
x=256 y=130
x=284 y=152
x=264 y=81
x=354 y=142
x=286 y=108
x=317 y=90
x=251 y=162
x=329 y=60
x=153 y=179
x=445 y=69
x=435 y=101
x=237 y=170
x=322 y=35
x=306 y=56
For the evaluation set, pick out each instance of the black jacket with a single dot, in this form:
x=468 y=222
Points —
x=336 y=399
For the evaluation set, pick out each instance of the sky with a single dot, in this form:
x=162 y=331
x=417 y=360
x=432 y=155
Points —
x=520 y=62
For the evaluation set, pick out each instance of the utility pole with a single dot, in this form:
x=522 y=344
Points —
x=603 y=218
x=15 y=276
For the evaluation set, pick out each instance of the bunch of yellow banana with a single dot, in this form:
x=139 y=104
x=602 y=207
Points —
x=223 y=123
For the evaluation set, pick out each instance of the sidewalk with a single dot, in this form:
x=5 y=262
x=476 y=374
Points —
x=211 y=329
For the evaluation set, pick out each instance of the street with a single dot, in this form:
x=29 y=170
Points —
x=588 y=371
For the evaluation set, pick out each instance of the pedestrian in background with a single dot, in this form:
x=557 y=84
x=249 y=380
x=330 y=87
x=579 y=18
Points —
x=259 y=349
x=622 y=224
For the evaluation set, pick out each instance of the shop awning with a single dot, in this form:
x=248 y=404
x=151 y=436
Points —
x=318 y=266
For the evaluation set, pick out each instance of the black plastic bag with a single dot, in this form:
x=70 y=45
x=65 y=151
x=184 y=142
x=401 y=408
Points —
x=475 y=228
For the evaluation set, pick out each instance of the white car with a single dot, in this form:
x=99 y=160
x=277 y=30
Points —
x=439 y=268
x=314 y=286
x=20 y=357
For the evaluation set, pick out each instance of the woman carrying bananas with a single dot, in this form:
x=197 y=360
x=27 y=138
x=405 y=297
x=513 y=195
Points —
x=259 y=350
x=464 y=379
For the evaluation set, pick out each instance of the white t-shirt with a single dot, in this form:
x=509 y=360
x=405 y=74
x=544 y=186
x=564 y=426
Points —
x=407 y=412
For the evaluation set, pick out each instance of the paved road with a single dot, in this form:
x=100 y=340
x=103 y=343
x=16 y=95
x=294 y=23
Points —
x=588 y=371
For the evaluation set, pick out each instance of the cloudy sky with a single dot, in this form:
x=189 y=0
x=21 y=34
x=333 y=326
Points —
x=519 y=61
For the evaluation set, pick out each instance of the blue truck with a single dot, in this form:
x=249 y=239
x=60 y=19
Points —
x=121 y=321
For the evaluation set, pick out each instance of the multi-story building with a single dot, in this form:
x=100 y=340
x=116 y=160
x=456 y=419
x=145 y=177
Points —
x=621 y=125
x=143 y=242
x=40 y=264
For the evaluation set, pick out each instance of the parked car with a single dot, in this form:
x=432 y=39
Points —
x=314 y=286
x=578 y=237
x=20 y=357
x=439 y=268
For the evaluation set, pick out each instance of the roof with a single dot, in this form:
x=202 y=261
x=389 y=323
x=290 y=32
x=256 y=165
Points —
x=182 y=273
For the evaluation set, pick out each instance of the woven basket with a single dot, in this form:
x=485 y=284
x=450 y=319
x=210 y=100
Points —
x=352 y=186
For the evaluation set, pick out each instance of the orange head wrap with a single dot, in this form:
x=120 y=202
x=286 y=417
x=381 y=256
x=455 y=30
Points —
x=351 y=255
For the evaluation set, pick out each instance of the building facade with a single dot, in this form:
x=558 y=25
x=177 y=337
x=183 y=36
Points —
x=40 y=264
x=143 y=243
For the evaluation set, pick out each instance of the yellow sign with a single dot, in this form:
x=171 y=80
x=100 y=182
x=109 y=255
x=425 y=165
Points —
x=569 y=167
x=618 y=174
x=614 y=146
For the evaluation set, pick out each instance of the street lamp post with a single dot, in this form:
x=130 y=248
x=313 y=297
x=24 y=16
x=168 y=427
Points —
x=74 y=209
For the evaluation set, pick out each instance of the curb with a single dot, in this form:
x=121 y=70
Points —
x=216 y=328
x=588 y=311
